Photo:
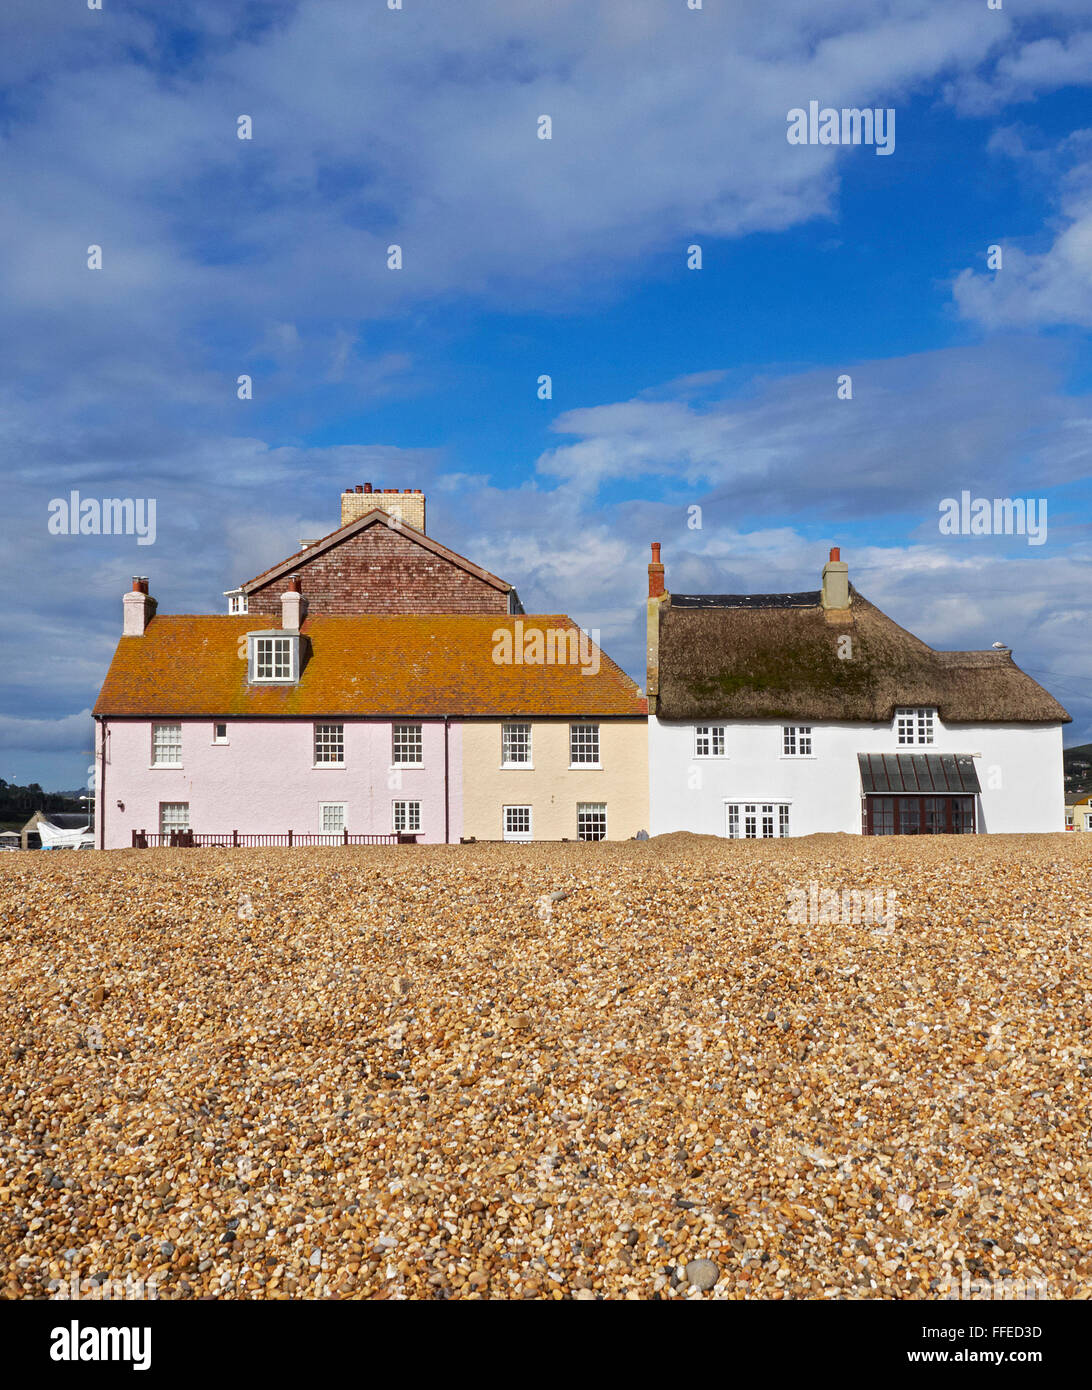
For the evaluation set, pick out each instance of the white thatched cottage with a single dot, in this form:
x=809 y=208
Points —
x=788 y=714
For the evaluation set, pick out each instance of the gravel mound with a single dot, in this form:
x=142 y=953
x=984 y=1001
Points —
x=563 y=1071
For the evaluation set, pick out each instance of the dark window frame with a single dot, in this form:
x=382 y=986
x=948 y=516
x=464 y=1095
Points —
x=886 y=809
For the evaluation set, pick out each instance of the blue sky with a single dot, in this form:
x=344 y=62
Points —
x=671 y=387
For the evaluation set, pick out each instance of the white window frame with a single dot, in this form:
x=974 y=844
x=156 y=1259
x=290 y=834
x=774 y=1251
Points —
x=918 y=722
x=586 y=766
x=507 y=762
x=775 y=813
x=411 y=812
x=709 y=733
x=591 y=808
x=338 y=739
x=325 y=806
x=420 y=739
x=220 y=724
x=182 y=823
x=793 y=740
x=514 y=836
x=238 y=604
x=281 y=673
x=164 y=762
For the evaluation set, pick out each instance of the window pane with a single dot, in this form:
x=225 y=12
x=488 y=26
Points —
x=709 y=741
x=584 y=743
x=333 y=819
x=914 y=725
x=173 y=815
x=515 y=743
x=517 y=822
x=407 y=816
x=407 y=745
x=166 y=743
x=329 y=743
x=591 y=821
x=804 y=736
x=883 y=815
x=789 y=742
x=273 y=658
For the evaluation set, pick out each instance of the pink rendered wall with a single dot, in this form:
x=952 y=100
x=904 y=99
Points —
x=263 y=780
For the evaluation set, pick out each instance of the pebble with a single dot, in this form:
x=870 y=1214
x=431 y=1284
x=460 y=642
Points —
x=702 y=1274
x=391 y=1079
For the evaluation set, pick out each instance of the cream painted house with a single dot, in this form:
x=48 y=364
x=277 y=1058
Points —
x=541 y=778
x=1078 y=814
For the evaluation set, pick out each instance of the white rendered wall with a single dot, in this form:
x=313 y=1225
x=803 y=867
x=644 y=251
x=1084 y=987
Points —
x=1019 y=767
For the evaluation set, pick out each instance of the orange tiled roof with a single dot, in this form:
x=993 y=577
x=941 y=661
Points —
x=361 y=665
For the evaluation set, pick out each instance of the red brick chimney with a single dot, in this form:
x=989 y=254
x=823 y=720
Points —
x=656 y=601
x=655 y=573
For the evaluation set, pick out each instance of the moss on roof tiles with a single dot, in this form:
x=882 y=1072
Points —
x=360 y=665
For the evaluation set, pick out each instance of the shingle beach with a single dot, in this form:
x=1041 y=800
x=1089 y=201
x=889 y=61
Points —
x=549 y=1071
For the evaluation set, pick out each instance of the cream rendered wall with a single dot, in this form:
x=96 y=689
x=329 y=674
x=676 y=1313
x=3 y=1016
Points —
x=549 y=787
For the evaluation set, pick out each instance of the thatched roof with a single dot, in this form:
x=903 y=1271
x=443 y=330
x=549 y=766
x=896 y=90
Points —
x=738 y=658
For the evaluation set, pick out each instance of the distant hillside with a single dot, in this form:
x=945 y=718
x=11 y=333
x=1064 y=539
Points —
x=17 y=803
x=1078 y=769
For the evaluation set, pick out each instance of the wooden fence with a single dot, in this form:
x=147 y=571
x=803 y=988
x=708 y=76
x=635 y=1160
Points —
x=235 y=839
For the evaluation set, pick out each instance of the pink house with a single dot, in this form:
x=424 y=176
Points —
x=335 y=702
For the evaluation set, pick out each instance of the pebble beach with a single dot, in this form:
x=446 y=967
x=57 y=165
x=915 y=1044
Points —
x=679 y=1069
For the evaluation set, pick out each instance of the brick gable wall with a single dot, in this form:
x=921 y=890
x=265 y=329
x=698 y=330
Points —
x=381 y=571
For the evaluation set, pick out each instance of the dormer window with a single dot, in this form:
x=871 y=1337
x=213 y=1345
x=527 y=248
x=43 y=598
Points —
x=274 y=658
x=237 y=601
x=914 y=725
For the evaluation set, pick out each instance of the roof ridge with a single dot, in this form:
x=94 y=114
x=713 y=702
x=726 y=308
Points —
x=361 y=523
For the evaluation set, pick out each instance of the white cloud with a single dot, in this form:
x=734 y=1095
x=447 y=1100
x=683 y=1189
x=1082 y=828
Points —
x=1040 y=289
x=993 y=415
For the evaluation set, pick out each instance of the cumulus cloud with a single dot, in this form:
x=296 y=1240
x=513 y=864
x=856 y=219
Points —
x=269 y=257
x=915 y=425
x=1040 y=288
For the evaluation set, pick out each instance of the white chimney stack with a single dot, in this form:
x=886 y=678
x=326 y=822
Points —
x=138 y=609
x=292 y=606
